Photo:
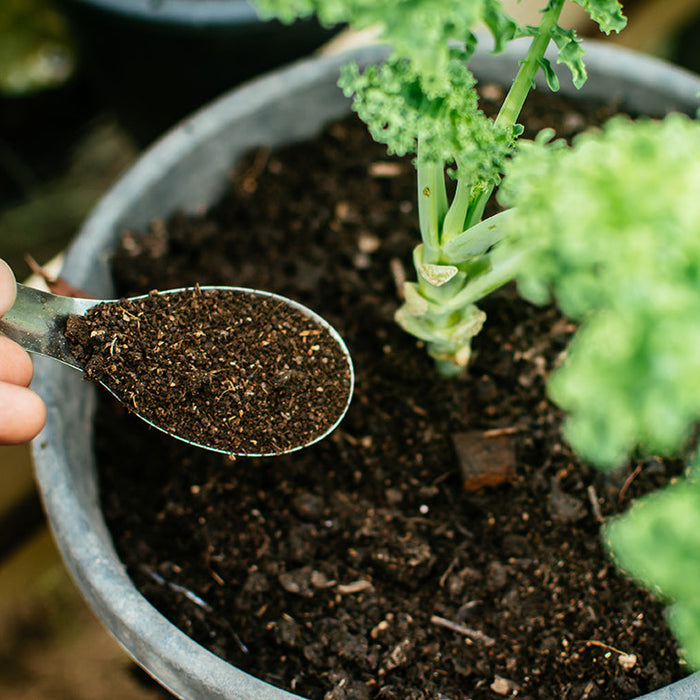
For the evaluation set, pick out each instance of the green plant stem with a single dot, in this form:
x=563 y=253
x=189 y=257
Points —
x=513 y=104
x=438 y=222
x=515 y=99
x=440 y=308
x=432 y=205
x=456 y=215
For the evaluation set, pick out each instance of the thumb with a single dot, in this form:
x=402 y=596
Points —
x=8 y=287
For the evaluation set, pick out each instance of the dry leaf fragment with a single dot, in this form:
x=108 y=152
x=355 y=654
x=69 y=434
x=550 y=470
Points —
x=502 y=686
x=354 y=587
x=385 y=169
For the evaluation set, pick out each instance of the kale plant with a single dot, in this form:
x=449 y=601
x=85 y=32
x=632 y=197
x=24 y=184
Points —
x=423 y=100
x=609 y=228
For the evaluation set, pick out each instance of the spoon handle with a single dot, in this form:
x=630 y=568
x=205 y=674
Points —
x=37 y=320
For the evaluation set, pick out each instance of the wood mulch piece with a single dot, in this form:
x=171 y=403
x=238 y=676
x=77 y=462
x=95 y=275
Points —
x=361 y=568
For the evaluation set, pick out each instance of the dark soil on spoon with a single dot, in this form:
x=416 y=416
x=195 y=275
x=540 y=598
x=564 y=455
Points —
x=239 y=372
x=362 y=567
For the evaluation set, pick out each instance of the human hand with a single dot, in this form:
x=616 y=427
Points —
x=22 y=412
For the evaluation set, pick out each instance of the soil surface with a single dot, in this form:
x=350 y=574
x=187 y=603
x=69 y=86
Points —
x=362 y=567
x=236 y=371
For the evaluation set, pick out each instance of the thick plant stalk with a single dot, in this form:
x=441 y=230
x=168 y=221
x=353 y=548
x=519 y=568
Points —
x=440 y=307
x=454 y=264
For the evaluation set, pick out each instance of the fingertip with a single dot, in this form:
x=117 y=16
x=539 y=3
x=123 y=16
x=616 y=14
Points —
x=16 y=365
x=8 y=287
x=22 y=414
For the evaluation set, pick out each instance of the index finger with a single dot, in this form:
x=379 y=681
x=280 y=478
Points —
x=8 y=287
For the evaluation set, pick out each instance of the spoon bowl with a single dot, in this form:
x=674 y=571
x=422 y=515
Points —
x=37 y=321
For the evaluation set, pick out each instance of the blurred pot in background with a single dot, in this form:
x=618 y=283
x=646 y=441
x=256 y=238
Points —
x=37 y=90
x=155 y=61
x=46 y=110
x=36 y=51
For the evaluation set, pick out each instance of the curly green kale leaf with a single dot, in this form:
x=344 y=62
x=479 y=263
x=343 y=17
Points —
x=657 y=542
x=610 y=229
x=570 y=54
x=390 y=99
x=607 y=13
x=419 y=30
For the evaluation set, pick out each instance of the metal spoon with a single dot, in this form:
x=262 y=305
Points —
x=37 y=321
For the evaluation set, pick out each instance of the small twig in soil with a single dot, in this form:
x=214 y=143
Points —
x=249 y=179
x=628 y=482
x=353 y=587
x=626 y=660
x=193 y=597
x=448 y=571
x=497 y=432
x=216 y=577
x=398 y=272
x=593 y=498
x=476 y=635
x=383 y=169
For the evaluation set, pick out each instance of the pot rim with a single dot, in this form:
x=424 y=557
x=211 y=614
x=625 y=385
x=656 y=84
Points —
x=177 y=12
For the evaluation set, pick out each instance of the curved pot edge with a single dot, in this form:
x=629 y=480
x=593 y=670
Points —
x=176 y=12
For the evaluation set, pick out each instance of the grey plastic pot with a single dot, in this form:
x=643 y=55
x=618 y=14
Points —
x=188 y=169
